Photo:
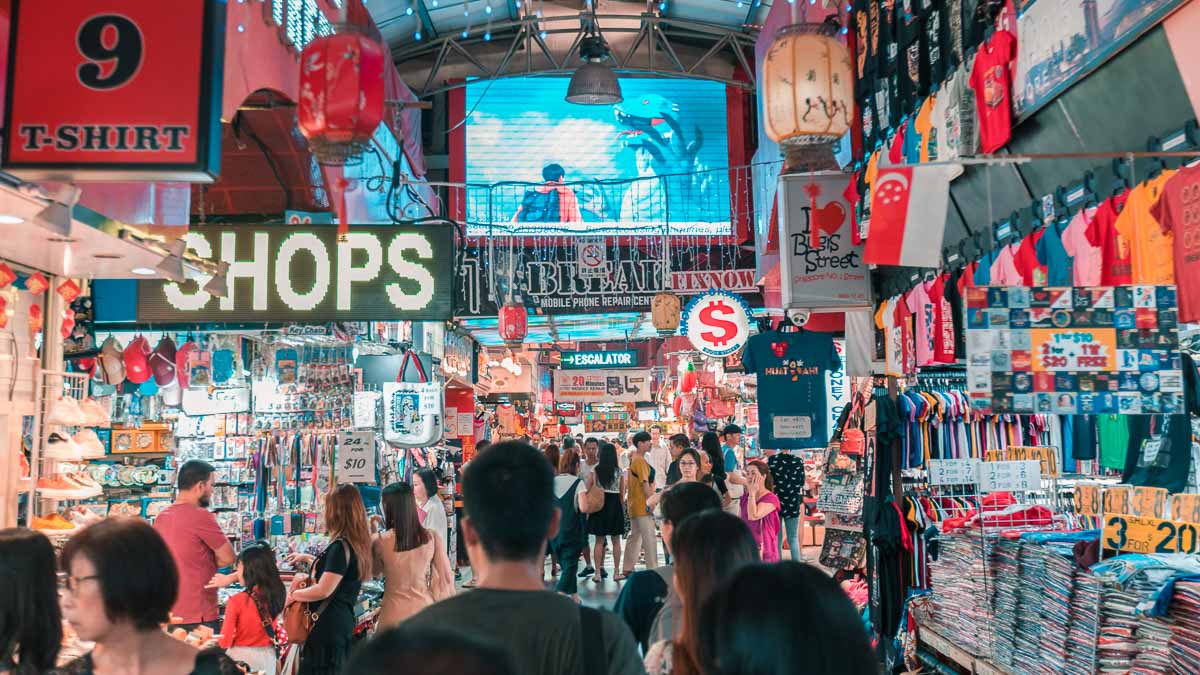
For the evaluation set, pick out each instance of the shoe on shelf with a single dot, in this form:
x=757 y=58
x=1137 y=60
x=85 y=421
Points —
x=60 y=446
x=66 y=412
x=94 y=413
x=53 y=523
x=58 y=487
x=85 y=481
x=89 y=444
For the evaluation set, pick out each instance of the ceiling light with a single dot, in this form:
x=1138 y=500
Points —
x=219 y=284
x=171 y=265
x=143 y=271
x=594 y=83
x=6 y=219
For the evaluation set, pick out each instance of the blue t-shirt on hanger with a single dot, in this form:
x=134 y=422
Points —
x=1052 y=254
x=792 y=405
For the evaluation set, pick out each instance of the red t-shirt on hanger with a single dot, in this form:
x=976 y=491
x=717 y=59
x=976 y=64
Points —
x=1032 y=270
x=1178 y=212
x=1116 y=268
x=991 y=78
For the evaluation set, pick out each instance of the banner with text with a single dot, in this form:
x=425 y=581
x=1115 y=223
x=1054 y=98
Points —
x=1074 y=350
x=831 y=274
x=629 y=385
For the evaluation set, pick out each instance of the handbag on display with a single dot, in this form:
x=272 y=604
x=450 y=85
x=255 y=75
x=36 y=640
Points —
x=413 y=411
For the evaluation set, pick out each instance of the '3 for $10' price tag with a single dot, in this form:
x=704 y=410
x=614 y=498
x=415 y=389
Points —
x=355 y=457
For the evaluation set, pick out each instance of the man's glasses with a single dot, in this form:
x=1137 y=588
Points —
x=688 y=463
x=73 y=582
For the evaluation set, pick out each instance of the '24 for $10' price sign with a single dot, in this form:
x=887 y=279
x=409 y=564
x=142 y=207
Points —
x=356 y=457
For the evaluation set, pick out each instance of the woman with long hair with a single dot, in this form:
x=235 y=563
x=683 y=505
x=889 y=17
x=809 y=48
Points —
x=710 y=445
x=338 y=574
x=30 y=618
x=782 y=619
x=429 y=500
x=709 y=547
x=411 y=559
x=554 y=456
x=760 y=508
x=689 y=472
x=571 y=493
x=610 y=520
x=121 y=584
x=249 y=630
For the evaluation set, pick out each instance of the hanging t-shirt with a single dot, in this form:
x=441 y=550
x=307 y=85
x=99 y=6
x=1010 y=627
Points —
x=1053 y=254
x=956 y=292
x=1116 y=265
x=908 y=354
x=1113 y=434
x=935 y=52
x=926 y=130
x=983 y=269
x=1004 y=267
x=893 y=344
x=922 y=309
x=1151 y=247
x=1085 y=256
x=1178 y=212
x=941 y=290
x=1033 y=271
x=791 y=370
x=991 y=78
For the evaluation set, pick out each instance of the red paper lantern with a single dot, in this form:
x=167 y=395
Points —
x=564 y=429
x=677 y=406
x=687 y=381
x=514 y=323
x=341 y=94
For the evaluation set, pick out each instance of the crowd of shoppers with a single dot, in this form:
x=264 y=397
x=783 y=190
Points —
x=712 y=610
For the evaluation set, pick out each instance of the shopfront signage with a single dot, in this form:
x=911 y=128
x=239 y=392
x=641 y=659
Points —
x=717 y=323
x=356 y=457
x=304 y=274
x=829 y=273
x=1137 y=534
x=836 y=390
x=625 y=279
x=115 y=90
x=953 y=471
x=584 y=386
x=1074 y=350
x=622 y=358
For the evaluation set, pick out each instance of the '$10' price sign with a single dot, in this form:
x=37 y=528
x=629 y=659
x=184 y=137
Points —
x=717 y=323
x=356 y=457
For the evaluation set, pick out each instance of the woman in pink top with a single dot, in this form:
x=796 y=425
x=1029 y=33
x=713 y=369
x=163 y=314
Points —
x=760 y=508
x=411 y=559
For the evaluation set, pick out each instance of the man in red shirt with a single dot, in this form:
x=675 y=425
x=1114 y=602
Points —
x=198 y=546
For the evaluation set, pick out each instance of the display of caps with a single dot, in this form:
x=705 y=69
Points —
x=181 y=362
x=112 y=366
x=137 y=360
x=172 y=394
x=148 y=388
x=162 y=361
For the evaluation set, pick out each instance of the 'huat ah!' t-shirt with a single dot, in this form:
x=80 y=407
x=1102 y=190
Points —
x=791 y=370
x=1178 y=212
x=991 y=78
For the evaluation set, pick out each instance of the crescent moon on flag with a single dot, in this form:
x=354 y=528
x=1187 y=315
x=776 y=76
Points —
x=894 y=176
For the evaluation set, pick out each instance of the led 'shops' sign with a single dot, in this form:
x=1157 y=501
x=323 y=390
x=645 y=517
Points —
x=280 y=273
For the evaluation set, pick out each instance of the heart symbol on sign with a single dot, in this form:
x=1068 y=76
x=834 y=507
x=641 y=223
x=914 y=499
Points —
x=829 y=218
x=780 y=348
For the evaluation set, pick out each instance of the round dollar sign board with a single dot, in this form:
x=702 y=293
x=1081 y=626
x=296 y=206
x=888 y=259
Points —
x=717 y=323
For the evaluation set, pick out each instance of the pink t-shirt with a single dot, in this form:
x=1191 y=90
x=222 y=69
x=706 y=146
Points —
x=766 y=530
x=193 y=535
x=1086 y=258
x=1004 y=269
x=924 y=315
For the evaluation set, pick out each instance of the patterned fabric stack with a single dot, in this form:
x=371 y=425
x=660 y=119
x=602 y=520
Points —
x=961 y=590
x=1058 y=587
x=1008 y=580
x=1117 y=645
x=1081 y=637
x=1028 y=645
x=1185 y=633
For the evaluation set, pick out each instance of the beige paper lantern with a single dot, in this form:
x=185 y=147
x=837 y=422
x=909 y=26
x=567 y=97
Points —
x=807 y=86
x=665 y=313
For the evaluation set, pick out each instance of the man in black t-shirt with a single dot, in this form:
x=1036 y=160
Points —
x=508 y=495
x=648 y=601
x=679 y=443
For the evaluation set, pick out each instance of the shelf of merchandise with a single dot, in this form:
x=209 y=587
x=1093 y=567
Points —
x=964 y=659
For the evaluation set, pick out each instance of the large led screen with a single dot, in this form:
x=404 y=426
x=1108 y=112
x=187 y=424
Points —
x=659 y=159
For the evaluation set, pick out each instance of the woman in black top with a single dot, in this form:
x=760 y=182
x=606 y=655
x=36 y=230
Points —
x=710 y=444
x=610 y=520
x=121 y=585
x=338 y=575
x=30 y=619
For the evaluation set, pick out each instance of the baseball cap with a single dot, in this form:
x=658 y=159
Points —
x=181 y=361
x=172 y=393
x=112 y=367
x=137 y=360
x=162 y=361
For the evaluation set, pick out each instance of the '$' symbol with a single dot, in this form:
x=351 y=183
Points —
x=708 y=318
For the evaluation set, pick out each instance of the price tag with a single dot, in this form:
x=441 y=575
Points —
x=1087 y=499
x=356 y=457
x=1010 y=476
x=431 y=398
x=953 y=471
x=1135 y=534
x=1185 y=507
x=791 y=426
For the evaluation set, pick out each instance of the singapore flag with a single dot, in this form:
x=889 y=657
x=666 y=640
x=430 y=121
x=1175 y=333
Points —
x=908 y=215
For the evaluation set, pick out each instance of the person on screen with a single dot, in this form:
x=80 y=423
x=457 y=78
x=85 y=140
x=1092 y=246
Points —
x=645 y=199
x=552 y=202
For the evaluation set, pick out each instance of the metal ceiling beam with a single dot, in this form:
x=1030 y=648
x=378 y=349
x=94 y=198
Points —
x=426 y=20
x=652 y=31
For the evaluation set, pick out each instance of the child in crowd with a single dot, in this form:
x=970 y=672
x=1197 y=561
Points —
x=250 y=628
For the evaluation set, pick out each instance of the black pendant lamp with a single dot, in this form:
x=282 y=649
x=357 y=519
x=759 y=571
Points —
x=594 y=83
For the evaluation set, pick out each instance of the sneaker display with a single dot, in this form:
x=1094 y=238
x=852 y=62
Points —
x=89 y=444
x=94 y=413
x=59 y=487
x=54 y=523
x=84 y=481
x=60 y=446
x=66 y=412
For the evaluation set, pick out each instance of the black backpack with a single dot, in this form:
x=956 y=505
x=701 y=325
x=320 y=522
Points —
x=540 y=207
